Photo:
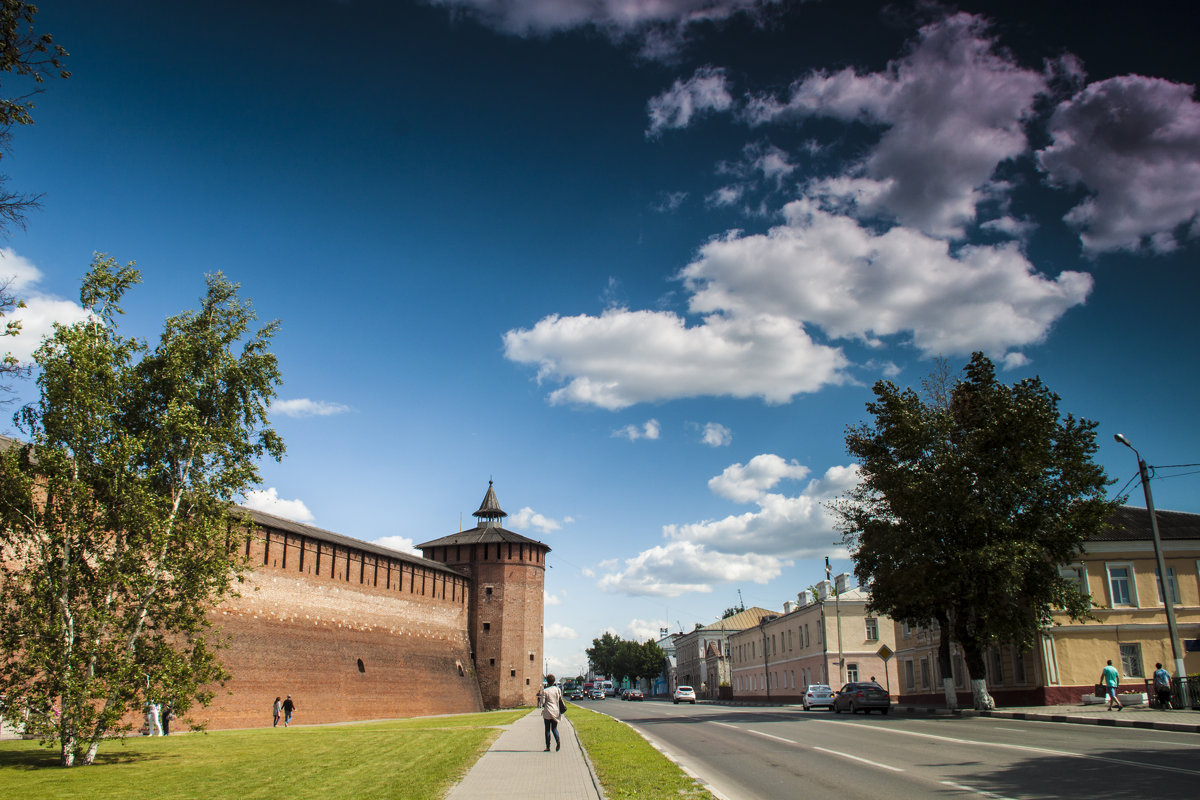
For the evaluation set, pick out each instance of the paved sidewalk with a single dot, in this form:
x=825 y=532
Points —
x=517 y=766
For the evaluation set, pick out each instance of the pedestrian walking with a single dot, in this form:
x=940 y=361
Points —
x=550 y=699
x=1110 y=680
x=153 y=719
x=275 y=710
x=167 y=716
x=288 y=708
x=1162 y=686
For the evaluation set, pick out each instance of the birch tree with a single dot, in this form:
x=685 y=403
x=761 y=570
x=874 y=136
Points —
x=114 y=513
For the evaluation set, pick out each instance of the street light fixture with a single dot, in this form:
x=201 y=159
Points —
x=1172 y=630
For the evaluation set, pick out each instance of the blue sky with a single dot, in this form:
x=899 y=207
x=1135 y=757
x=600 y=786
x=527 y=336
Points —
x=638 y=262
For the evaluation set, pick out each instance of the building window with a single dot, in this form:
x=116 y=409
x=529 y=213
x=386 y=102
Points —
x=487 y=626
x=852 y=673
x=491 y=662
x=910 y=675
x=1077 y=574
x=1019 y=668
x=906 y=630
x=531 y=656
x=1121 y=590
x=956 y=666
x=512 y=673
x=1172 y=585
x=997 y=676
x=487 y=590
x=872 y=629
x=1131 y=660
x=808 y=640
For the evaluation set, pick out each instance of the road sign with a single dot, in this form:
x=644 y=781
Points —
x=885 y=652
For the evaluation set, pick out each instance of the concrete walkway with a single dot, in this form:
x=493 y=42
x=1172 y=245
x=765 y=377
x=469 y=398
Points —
x=516 y=765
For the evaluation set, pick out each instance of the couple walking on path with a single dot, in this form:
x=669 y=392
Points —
x=286 y=708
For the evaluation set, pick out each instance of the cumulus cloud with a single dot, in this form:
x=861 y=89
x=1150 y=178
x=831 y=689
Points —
x=303 y=407
x=677 y=567
x=707 y=90
x=269 y=502
x=41 y=310
x=640 y=630
x=831 y=271
x=552 y=599
x=753 y=546
x=555 y=630
x=744 y=484
x=714 y=434
x=528 y=518
x=649 y=430
x=624 y=357
x=953 y=109
x=660 y=25
x=1134 y=144
x=669 y=201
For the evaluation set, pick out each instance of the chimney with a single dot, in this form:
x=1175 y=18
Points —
x=842 y=582
x=787 y=607
x=804 y=598
x=823 y=590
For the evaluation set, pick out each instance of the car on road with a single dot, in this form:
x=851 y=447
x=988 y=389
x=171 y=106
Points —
x=576 y=695
x=634 y=694
x=818 y=695
x=684 y=694
x=863 y=696
x=597 y=694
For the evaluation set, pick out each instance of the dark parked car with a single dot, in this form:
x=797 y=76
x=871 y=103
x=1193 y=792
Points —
x=862 y=696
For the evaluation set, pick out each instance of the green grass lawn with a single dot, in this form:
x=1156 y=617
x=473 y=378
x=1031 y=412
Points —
x=416 y=758
x=626 y=764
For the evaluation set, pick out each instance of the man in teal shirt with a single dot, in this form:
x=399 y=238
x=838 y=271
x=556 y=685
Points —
x=1110 y=680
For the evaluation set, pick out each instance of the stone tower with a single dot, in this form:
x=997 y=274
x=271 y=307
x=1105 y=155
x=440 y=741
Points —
x=506 y=603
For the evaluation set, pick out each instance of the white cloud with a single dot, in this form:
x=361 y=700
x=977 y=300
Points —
x=639 y=630
x=41 y=310
x=754 y=546
x=551 y=599
x=744 y=484
x=678 y=567
x=528 y=518
x=707 y=90
x=784 y=526
x=832 y=272
x=624 y=357
x=269 y=502
x=587 y=572
x=726 y=195
x=649 y=430
x=555 y=630
x=303 y=407
x=715 y=434
x=1134 y=143
x=670 y=201
x=402 y=543
x=954 y=109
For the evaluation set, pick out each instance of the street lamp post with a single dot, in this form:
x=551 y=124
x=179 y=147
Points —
x=1172 y=629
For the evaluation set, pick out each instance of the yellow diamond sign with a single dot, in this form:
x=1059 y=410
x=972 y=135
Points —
x=885 y=652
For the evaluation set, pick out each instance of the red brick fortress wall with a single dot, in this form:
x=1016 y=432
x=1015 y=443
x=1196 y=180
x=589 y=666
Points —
x=350 y=634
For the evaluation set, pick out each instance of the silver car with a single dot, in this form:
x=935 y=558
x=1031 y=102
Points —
x=818 y=695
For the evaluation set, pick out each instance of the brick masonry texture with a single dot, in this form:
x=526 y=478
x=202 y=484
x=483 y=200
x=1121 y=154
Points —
x=351 y=635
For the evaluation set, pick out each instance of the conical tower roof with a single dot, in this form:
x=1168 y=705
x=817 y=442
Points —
x=489 y=512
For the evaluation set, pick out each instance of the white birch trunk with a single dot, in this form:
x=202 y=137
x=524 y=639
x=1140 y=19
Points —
x=981 y=700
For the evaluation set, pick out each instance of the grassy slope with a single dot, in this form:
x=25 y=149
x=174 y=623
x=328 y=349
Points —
x=417 y=758
x=627 y=765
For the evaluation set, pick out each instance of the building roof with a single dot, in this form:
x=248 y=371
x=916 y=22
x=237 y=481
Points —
x=1131 y=524
x=746 y=618
x=291 y=526
x=489 y=509
x=482 y=535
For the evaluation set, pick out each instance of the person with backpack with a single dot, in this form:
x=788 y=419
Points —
x=1162 y=686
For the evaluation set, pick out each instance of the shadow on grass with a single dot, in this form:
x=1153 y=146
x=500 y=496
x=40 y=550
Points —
x=48 y=758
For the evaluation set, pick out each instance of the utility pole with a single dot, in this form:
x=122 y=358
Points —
x=837 y=608
x=1172 y=630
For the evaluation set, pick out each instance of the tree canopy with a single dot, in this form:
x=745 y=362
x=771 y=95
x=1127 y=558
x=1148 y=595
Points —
x=114 y=515
x=618 y=658
x=967 y=504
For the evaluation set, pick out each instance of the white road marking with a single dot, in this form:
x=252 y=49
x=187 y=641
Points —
x=772 y=736
x=857 y=758
x=973 y=790
x=1022 y=747
x=1014 y=730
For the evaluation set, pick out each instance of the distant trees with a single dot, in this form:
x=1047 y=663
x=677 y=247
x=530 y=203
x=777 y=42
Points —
x=968 y=502
x=114 y=531
x=618 y=658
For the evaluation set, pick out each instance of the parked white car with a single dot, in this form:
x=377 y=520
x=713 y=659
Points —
x=818 y=695
x=684 y=694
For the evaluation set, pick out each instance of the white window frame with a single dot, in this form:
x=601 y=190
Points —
x=872 y=628
x=1077 y=571
x=851 y=673
x=1172 y=583
x=910 y=675
x=1109 y=566
x=1141 y=662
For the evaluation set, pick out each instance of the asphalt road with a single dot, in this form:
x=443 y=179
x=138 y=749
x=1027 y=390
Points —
x=770 y=754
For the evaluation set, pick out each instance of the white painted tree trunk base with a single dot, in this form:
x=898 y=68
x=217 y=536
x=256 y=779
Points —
x=981 y=700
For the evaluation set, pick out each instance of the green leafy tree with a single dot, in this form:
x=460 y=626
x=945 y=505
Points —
x=967 y=506
x=114 y=516
x=603 y=654
x=652 y=659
